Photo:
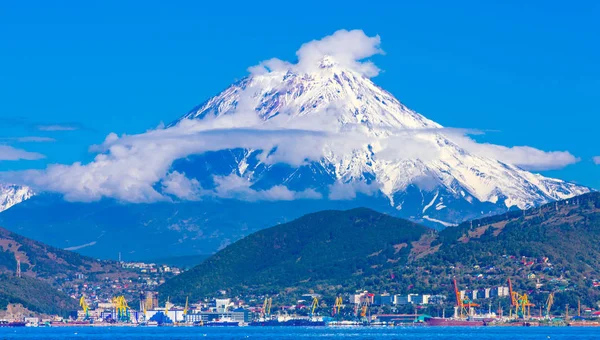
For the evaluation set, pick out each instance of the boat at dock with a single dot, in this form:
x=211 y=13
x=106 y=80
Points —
x=289 y=322
x=4 y=323
x=455 y=322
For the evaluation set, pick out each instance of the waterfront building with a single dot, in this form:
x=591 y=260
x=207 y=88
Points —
x=237 y=315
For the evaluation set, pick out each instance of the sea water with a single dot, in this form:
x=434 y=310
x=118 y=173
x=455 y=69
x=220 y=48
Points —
x=295 y=333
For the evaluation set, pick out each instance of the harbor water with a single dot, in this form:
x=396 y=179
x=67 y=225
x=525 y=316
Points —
x=295 y=333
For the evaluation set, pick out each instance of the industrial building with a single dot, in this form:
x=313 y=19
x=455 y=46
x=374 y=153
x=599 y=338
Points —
x=237 y=315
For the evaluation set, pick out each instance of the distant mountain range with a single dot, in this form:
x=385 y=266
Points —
x=439 y=191
x=13 y=194
x=334 y=252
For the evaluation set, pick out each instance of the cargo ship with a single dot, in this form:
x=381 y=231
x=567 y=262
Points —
x=221 y=324
x=455 y=322
x=288 y=323
x=4 y=323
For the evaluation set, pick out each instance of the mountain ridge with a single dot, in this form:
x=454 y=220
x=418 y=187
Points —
x=550 y=248
x=355 y=102
x=11 y=195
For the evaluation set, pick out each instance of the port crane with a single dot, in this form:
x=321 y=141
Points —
x=549 y=303
x=266 y=310
x=315 y=304
x=463 y=304
x=519 y=303
x=185 y=309
x=85 y=307
x=337 y=306
x=121 y=308
x=364 y=306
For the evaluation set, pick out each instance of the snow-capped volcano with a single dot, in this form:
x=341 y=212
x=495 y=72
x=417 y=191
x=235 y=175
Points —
x=289 y=139
x=13 y=194
x=429 y=171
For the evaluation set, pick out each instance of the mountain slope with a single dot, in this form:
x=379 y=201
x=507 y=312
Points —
x=35 y=295
x=440 y=173
x=312 y=250
x=48 y=273
x=103 y=229
x=13 y=194
x=360 y=249
x=46 y=262
x=567 y=232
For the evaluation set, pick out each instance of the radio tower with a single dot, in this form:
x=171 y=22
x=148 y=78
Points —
x=18 y=267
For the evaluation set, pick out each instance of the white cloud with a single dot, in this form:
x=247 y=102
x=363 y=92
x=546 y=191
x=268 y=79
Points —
x=176 y=184
x=348 y=191
x=346 y=48
x=128 y=167
x=526 y=157
x=57 y=127
x=29 y=139
x=596 y=160
x=9 y=153
x=233 y=186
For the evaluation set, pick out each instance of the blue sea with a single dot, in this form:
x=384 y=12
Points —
x=295 y=333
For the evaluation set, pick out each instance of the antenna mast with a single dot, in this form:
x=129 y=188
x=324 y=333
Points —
x=18 y=267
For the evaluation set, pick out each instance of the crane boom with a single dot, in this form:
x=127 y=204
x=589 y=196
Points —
x=459 y=301
x=315 y=303
x=549 y=303
x=513 y=299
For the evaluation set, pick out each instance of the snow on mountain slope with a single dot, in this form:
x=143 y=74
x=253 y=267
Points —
x=438 y=161
x=13 y=194
x=314 y=130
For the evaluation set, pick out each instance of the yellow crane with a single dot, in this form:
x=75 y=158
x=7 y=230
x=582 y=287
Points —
x=167 y=305
x=524 y=305
x=85 y=307
x=549 y=303
x=121 y=308
x=337 y=305
x=520 y=303
x=266 y=310
x=185 y=309
x=315 y=303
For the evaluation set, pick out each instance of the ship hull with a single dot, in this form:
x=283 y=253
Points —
x=288 y=323
x=454 y=322
x=222 y=324
x=13 y=324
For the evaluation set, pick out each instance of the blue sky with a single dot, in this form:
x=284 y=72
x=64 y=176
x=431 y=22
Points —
x=529 y=73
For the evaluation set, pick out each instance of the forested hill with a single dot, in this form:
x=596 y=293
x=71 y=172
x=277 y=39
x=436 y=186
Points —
x=319 y=249
x=44 y=269
x=553 y=247
x=43 y=261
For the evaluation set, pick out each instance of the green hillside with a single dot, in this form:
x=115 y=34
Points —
x=318 y=250
x=43 y=261
x=35 y=295
x=45 y=272
x=550 y=248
